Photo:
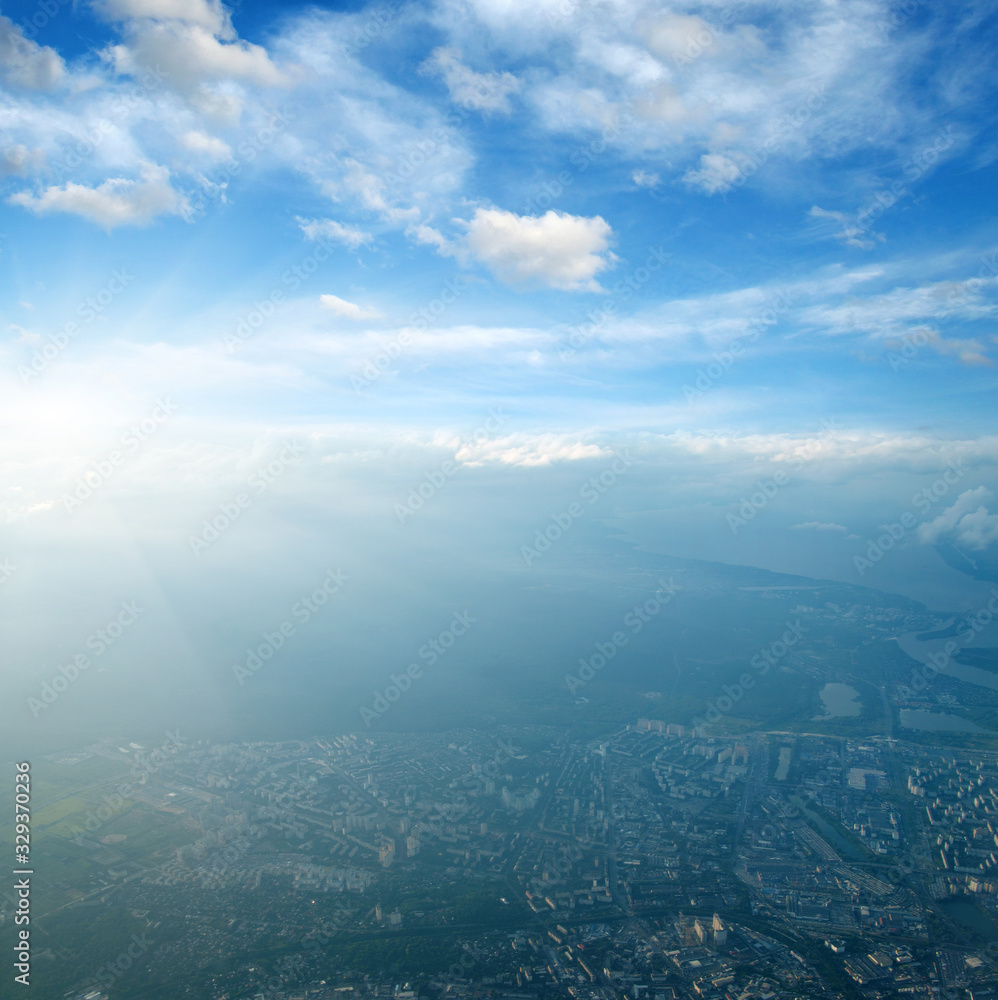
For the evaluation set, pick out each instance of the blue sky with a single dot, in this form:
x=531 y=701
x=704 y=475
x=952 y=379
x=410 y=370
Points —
x=728 y=240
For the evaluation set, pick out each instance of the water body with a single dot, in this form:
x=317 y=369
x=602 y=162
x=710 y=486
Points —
x=839 y=701
x=783 y=767
x=938 y=722
x=921 y=650
x=970 y=915
x=829 y=833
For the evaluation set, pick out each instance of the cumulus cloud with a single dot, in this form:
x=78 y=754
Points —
x=557 y=249
x=189 y=54
x=208 y=14
x=348 y=310
x=24 y=63
x=350 y=236
x=119 y=201
x=646 y=180
x=486 y=92
x=967 y=524
x=193 y=46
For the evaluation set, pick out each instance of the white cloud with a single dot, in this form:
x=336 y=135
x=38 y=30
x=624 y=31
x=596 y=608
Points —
x=903 y=316
x=190 y=53
x=645 y=179
x=210 y=15
x=528 y=450
x=19 y=160
x=485 y=92
x=716 y=174
x=848 y=230
x=745 y=84
x=351 y=236
x=369 y=187
x=117 y=202
x=209 y=145
x=819 y=526
x=967 y=524
x=968 y=351
x=24 y=63
x=677 y=36
x=560 y=250
x=24 y=336
x=429 y=236
x=978 y=529
x=348 y=310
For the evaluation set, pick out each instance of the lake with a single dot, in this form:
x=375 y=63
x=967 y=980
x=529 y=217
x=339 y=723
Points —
x=839 y=701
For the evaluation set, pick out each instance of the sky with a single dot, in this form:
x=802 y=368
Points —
x=400 y=291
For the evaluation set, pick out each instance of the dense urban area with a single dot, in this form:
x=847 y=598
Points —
x=852 y=855
x=656 y=863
